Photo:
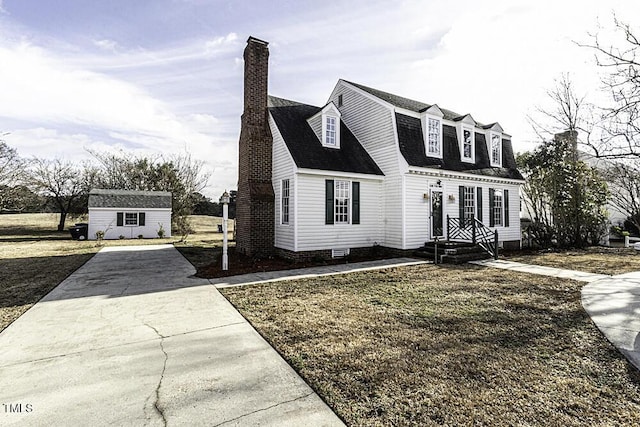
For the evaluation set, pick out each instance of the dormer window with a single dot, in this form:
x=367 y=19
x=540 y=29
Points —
x=431 y=119
x=466 y=137
x=467 y=144
x=326 y=125
x=434 y=143
x=330 y=131
x=495 y=149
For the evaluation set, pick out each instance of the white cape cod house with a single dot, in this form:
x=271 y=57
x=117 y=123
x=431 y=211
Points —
x=374 y=169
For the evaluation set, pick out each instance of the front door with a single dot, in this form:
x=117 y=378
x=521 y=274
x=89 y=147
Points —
x=437 y=223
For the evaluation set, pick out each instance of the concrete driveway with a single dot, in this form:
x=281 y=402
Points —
x=131 y=339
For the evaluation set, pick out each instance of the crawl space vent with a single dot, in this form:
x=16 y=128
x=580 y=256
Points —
x=339 y=253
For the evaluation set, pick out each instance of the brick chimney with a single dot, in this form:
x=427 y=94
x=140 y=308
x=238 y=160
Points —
x=255 y=214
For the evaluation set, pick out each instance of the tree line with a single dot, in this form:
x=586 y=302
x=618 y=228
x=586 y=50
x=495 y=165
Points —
x=565 y=194
x=40 y=184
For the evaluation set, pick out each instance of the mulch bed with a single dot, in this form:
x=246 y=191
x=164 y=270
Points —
x=241 y=264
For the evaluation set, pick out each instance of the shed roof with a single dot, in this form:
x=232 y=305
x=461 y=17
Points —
x=130 y=199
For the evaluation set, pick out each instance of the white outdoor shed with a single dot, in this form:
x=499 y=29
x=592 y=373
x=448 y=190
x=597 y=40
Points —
x=129 y=213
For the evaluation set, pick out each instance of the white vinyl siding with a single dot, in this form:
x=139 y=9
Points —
x=283 y=169
x=418 y=221
x=105 y=219
x=316 y=124
x=314 y=234
x=373 y=125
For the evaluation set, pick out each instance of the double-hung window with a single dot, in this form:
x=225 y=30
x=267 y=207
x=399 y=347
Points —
x=330 y=131
x=498 y=207
x=434 y=137
x=496 y=150
x=468 y=201
x=284 y=201
x=130 y=219
x=342 y=202
x=468 y=138
x=341 y=208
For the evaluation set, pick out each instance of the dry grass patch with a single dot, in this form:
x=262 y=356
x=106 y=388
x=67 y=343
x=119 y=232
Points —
x=34 y=259
x=435 y=345
x=600 y=260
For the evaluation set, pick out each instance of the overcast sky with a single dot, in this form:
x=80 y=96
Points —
x=165 y=76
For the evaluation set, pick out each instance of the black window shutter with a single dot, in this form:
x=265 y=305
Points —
x=492 y=219
x=479 y=203
x=355 y=215
x=461 y=202
x=506 y=208
x=141 y=216
x=328 y=206
x=119 y=219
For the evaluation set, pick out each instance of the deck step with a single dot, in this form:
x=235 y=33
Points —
x=452 y=252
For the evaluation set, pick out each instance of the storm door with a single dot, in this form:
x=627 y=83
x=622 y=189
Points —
x=437 y=222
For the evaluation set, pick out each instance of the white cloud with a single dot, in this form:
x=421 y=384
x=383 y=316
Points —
x=40 y=88
x=105 y=44
x=218 y=42
x=36 y=86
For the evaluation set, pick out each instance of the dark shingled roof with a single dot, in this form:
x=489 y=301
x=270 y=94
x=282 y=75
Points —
x=307 y=150
x=130 y=199
x=413 y=149
x=406 y=103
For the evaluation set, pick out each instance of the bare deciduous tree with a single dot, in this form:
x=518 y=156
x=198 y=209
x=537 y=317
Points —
x=567 y=111
x=619 y=128
x=12 y=193
x=61 y=181
x=624 y=182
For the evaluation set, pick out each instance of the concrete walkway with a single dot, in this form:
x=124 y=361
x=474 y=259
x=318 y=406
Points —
x=612 y=302
x=544 y=271
x=614 y=306
x=131 y=339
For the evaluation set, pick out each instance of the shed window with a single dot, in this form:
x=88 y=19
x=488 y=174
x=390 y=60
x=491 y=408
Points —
x=130 y=219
